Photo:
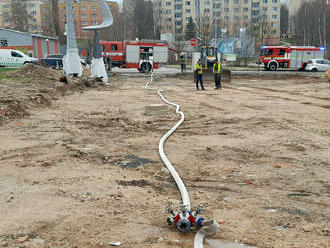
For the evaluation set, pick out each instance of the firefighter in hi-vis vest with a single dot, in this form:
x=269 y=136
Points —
x=198 y=69
x=183 y=63
x=217 y=70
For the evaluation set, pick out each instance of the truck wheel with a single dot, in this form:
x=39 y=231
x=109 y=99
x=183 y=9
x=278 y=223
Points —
x=272 y=67
x=146 y=67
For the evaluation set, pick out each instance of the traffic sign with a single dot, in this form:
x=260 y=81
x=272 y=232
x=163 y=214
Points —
x=193 y=42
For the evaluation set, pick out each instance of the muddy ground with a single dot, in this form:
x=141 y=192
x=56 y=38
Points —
x=79 y=166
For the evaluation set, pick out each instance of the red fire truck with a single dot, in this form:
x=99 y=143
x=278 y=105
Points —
x=296 y=57
x=142 y=55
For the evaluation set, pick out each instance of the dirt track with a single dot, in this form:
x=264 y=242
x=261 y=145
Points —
x=84 y=169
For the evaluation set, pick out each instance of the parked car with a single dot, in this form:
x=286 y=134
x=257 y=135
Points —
x=14 y=58
x=315 y=65
x=53 y=60
x=56 y=61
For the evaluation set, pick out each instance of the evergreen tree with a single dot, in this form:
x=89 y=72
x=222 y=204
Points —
x=190 y=31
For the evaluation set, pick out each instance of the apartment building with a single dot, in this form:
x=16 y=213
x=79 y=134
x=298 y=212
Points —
x=228 y=17
x=32 y=11
x=86 y=13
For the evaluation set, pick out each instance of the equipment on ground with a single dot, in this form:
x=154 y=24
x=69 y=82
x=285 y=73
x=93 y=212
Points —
x=143 y=55
x=184 y=219
x=295 y=57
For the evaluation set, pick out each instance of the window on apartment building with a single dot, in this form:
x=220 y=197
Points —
x=83 y=8
x=188 y=3
x=178 y=15
x=226 y=2
x=169 y=27
x=264 y=9
x=83 y=16
x=188 y=11
x=245 y=18
x=274 y=24
x=246 y=1
x=236 y=18
x=226 y=18
x=169 y=19
x=83 y=23
x=265 y=1
x=274 y=32
x=178 y=7
x=274 y=16
x=168 y=11
x=178 y=1
x=187 y=19
x=236 y=1
x=236 y=10
x=216 y=13
x=217 y=6
x=93 y=8
x=6 y=6
x=274 y=1
x=32 y=5
x=33 y=13
x=207 y=3
x=168 y=3
x=275 y=8
x=245 y=9
x=94 y=15
x=95 y=23
x=226 y=10
x=207 y=10
x=159 y=11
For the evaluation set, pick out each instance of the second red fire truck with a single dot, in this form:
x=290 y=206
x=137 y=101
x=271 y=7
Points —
x=143 y=55
x=295 y=57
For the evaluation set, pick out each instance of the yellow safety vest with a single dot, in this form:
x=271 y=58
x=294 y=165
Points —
x=198 y=68
x=218 y=70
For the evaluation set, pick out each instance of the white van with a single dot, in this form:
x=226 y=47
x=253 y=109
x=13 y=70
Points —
x=14 y=58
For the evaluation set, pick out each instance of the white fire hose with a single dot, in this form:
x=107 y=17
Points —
x=212 y=227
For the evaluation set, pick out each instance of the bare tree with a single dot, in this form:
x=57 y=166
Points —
x=204 y=29
x=19 y=17
x=311 y=24
x=116 y=31
x=143 y=18
x=56 y=23
x=284 y=26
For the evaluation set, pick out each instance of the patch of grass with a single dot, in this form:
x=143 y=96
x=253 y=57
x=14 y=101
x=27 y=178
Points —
x=3 y=71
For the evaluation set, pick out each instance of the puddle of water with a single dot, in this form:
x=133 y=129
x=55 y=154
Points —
x=220 y=244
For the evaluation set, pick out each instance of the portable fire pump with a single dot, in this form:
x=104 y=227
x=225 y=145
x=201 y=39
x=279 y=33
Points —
x=184 y=219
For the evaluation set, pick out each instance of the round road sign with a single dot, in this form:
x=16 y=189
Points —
x=193 y=42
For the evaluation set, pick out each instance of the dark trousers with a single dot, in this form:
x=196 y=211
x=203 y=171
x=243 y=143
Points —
x=217 y=80
x=199 y=78
x=183 y=67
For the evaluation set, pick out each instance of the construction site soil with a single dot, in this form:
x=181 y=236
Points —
x=79 y=166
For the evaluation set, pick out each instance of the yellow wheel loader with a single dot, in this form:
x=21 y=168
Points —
x=208 y=55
